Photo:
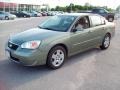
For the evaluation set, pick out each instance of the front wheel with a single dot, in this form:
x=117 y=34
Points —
x=106 y=42
x=6 y=18
x=35 y=15
x=56 y=57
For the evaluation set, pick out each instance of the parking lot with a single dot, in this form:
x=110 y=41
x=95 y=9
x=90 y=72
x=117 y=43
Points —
x=91 y=70
x=17 y=19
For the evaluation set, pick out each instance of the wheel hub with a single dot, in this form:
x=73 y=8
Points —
x=57 y=57
x=107 y=42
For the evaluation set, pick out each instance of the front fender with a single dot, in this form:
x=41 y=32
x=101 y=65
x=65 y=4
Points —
x=47 y=45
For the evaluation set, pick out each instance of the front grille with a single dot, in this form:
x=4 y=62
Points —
x=12 y=46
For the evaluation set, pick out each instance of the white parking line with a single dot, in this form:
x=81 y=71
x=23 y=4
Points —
x=5 y=21
x=17 y=19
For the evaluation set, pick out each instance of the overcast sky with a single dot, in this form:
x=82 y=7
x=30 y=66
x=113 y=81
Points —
x=109 y=3
x=53 y=3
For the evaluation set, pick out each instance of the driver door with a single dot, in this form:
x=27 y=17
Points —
x=81 y=39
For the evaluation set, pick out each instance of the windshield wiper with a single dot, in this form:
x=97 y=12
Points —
x=45 y=28
x=39 y=27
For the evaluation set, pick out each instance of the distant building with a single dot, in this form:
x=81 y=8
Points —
x=20 y=5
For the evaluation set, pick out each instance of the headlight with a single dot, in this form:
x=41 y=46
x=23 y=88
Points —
x=31 y=44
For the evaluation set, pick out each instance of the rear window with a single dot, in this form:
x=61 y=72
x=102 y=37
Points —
x=96 y=20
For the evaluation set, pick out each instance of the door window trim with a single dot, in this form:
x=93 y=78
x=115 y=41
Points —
x=73 y=26
x=100 y=19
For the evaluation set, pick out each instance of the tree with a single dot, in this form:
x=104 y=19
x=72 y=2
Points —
x=52 y=9
x=76 y=8
x=118 y=9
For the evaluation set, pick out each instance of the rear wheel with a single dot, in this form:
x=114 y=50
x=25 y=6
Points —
x=110 y=19
x=6 y=18
x=56 y=57
x=24 y=16
x=106 y=42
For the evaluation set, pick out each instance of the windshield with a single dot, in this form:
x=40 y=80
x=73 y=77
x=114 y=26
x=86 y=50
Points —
x=58 y=23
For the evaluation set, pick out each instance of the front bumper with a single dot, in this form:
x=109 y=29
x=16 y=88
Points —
x=27 y=57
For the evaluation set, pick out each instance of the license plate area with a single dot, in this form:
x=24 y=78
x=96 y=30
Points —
x=7 y=53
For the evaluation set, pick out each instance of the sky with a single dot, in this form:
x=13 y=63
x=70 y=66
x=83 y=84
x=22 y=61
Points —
x=110 y=3
x=52 y=3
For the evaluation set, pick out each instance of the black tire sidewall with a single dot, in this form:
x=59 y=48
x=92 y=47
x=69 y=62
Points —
x=35 y=15
x=6 y=18
x=49 y=63
x=24 y=16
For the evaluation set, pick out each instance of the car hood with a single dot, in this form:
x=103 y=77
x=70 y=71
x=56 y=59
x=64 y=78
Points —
x=34 y=34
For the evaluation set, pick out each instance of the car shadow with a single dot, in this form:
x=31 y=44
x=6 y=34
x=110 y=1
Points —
x=14 y=75
x=81 y=56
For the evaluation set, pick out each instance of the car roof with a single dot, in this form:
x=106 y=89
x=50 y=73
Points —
x=78 y=14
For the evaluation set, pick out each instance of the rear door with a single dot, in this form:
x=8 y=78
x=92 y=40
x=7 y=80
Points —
x=97 y=29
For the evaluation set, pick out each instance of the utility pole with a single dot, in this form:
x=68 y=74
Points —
x=9 y=7
x=4 y=5
x=71 y=7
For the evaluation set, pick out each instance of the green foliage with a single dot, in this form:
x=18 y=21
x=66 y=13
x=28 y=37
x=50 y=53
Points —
x=76 y=8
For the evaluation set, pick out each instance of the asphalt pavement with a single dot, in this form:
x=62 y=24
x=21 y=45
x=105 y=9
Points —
x=90 y=70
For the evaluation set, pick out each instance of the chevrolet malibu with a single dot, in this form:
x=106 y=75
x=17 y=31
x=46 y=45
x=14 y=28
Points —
x=59 y=37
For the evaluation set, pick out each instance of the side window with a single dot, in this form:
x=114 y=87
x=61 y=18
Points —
x=96 y=20
x=83 y=23
x=101 y=11
x=95 y=10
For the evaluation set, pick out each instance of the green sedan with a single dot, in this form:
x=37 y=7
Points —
x=59 y=37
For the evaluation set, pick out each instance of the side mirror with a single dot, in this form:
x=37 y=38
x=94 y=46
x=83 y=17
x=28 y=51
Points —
x=74 y=30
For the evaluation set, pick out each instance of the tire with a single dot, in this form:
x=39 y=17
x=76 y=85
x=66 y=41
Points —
x=56 y=57
x=6 y=18
x=106 y=42
x=24 y=16
x=110 y=19
x=35 y=15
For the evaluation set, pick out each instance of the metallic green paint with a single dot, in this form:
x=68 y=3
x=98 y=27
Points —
x=74 y=41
